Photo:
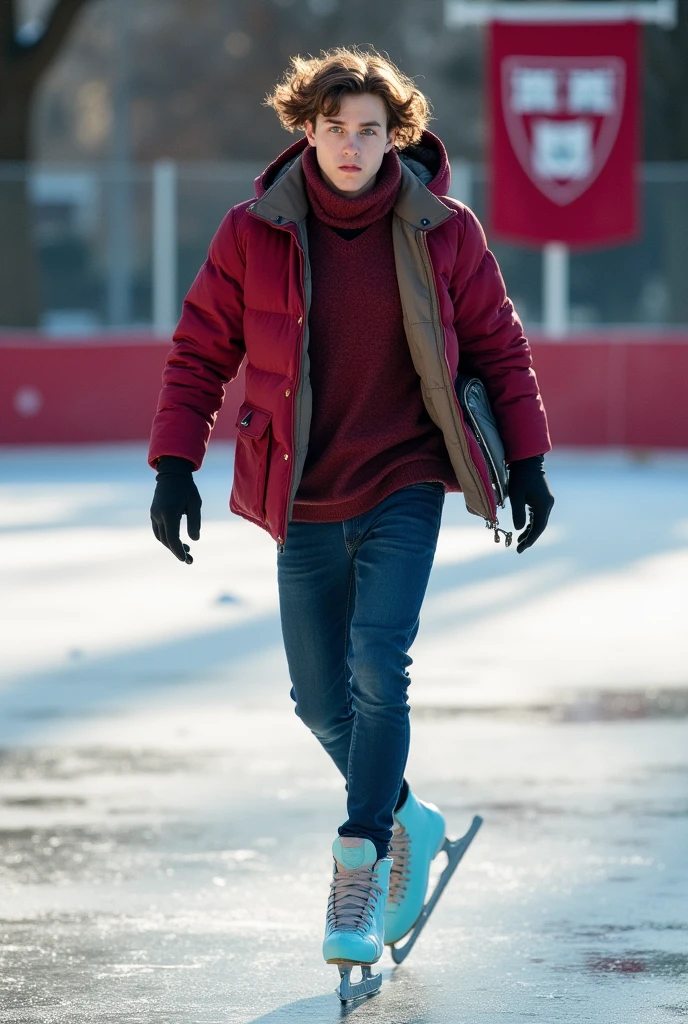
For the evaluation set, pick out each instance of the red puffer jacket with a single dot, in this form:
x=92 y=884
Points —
x=251 y=299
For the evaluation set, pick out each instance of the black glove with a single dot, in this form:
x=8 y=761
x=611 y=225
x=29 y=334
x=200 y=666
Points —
x=528 y=486
x=176 y=495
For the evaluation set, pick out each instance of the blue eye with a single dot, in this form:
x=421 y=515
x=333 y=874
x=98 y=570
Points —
x=364 y=131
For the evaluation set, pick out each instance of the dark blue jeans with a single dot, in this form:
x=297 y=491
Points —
x=350 y=597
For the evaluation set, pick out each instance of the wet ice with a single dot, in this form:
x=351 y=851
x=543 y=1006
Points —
x=160 y=803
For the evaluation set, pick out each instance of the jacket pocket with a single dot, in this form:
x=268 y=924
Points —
x=251 y=460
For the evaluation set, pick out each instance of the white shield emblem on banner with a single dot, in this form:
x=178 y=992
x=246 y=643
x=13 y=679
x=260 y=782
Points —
x=563 y=115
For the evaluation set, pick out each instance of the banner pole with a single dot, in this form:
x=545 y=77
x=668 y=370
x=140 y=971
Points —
x=555 y=289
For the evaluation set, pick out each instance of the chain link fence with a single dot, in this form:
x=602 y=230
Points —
x=92 y=234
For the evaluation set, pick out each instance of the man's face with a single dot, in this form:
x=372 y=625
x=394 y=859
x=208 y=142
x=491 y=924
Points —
x=350 y=145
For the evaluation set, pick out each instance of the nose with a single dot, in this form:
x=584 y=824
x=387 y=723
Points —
x=351 y=146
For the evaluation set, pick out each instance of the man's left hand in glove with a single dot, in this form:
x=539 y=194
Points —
x=528 y=486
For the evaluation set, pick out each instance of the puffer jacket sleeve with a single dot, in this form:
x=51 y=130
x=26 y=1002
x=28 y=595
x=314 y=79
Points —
x=492 y=345
x=207 y=354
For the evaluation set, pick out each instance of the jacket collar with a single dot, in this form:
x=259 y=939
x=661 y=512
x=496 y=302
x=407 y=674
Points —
x=286 y=200
x=417 y=205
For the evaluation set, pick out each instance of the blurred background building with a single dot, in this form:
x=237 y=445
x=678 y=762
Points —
x=127 y=130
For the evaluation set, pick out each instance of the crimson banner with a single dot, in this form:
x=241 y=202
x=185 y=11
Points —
x=564 y=125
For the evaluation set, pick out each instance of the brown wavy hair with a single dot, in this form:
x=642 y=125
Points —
x=315 y=85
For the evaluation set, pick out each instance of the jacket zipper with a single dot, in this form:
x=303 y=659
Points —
x=280 y=227
x=491 y=524
x=281 y=539
x=295 y=413
x=297 y=398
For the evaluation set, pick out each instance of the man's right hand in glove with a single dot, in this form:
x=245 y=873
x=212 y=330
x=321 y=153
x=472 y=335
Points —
x=175 y=496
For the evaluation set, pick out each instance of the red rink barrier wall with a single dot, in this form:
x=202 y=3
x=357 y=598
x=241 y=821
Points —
x=610 y=390
x=73 y=391
x=603 y=389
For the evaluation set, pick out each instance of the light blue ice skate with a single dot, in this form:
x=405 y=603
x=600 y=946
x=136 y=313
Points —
x=356 y=914
x=419 y=836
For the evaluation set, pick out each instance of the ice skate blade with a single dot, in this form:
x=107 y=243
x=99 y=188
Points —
x=455 y=850
x=349 y=990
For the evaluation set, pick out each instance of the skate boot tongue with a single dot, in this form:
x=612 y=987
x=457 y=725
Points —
x=351 y=853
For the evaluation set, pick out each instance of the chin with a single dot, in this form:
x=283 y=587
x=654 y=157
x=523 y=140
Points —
x=349 y=185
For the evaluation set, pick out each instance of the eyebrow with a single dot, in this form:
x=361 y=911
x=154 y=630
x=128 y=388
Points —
x=362 y=124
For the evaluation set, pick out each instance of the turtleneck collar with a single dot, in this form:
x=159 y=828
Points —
x=343 y=212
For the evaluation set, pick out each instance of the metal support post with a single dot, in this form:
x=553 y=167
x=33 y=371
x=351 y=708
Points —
x=555 y=289
x=164 y=246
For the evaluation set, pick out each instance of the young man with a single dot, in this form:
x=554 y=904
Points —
x=355 y=290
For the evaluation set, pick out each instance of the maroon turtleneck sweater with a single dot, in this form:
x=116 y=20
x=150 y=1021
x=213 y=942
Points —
x=370 y=433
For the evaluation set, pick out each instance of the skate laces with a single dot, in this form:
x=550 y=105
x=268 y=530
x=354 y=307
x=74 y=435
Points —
x=353 y=895
x=400 y=852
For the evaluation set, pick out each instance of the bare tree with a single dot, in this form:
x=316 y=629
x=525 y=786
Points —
x=22 y=65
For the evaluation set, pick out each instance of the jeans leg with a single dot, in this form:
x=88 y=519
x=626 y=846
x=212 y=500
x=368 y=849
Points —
x=392 y=564
x=315 y=583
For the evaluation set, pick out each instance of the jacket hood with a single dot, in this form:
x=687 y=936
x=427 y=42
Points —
x=426 y=159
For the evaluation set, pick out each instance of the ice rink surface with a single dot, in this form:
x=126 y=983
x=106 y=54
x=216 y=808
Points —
x=166 y=821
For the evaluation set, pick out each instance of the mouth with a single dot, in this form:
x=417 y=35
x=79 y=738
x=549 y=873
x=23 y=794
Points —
x=349 y=167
